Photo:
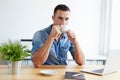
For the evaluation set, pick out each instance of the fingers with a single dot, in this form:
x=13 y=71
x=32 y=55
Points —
x=70 y=35
x=55 y=30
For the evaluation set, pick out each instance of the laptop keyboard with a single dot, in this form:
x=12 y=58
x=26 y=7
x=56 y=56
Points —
x=98 y=70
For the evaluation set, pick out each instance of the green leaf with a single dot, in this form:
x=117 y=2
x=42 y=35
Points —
x=13 y=51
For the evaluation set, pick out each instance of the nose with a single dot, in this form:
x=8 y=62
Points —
x=63 y=22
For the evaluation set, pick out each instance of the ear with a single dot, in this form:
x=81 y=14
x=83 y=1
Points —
x=53 y=18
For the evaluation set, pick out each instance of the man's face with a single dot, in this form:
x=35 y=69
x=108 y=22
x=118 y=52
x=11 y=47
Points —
x=61 y=17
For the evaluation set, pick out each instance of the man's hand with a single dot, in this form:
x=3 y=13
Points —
x=78 y=54
x=56 y=31
x=71 y=35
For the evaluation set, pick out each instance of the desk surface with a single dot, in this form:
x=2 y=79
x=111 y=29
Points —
x=31 y=73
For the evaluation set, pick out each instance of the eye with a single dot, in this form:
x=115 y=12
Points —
x=67 y=19
x=60 y=18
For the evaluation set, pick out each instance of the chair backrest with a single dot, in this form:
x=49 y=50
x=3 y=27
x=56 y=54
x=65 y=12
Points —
x=27 y=42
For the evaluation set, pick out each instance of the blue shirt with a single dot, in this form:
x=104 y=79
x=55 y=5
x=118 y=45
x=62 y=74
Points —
x=58 y=51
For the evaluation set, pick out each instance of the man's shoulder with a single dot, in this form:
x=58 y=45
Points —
x=42 y=32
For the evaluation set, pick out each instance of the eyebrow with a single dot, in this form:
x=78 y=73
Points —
x=62 y=18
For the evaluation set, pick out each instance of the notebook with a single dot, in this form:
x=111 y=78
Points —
x=74 y=75
x=112 y=64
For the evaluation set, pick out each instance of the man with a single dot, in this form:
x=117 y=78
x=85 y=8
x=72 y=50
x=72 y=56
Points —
x=50 y=45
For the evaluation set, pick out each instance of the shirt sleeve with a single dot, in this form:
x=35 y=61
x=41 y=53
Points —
x=71 y=49
x=38 y=40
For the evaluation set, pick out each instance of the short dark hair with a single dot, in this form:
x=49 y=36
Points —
x=62 y=7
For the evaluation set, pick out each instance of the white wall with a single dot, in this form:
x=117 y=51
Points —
x=22 y=18
x=115 y=25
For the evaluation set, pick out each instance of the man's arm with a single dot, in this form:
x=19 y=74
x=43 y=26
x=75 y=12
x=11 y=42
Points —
x=41 y=55
x=78 y=54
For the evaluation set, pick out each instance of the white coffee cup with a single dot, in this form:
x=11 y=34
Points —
x=63 y=28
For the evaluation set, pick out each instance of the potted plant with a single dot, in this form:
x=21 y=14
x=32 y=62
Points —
x=13 y=52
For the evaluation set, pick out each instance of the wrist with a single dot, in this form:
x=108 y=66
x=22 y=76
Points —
x=75 y=41
x=51 y=37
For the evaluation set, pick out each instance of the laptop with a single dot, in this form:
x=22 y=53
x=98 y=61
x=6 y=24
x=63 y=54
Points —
x=112 y=64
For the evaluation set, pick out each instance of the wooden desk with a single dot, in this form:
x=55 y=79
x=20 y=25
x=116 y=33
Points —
x=31 y=73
